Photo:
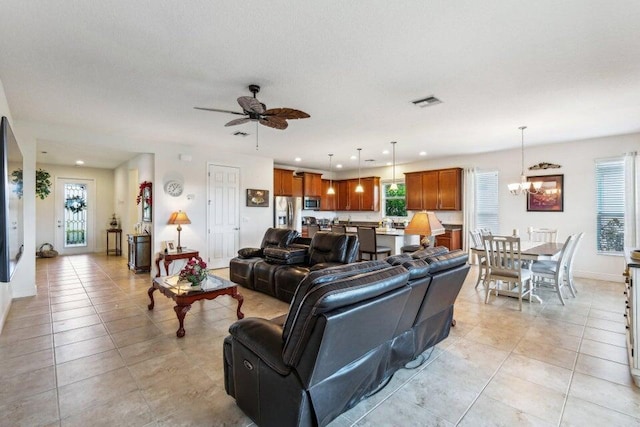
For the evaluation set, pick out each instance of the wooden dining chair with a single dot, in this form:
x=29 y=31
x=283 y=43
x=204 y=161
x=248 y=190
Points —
x=553 y=273
x=546 y=235
x=476 y=242
x=505 y=268
x=341 y=229
x=368 y=244
x=312 y=229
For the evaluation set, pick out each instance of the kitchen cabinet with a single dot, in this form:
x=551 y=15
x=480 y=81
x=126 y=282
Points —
x=282 y=182
x=349 y=200
x=452 y=239
x=631 y=314
x=139 y=252
x=434 y=190
x=342 y=190
x=311 y=184
x=297 y=186
x=328 y=202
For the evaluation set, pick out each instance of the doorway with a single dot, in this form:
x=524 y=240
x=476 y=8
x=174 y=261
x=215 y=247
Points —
x=75 y=216
x=223 y=214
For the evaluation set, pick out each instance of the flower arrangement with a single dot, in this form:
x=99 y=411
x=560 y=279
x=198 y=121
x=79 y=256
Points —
x=195 y=271
x=141 y=194
x=75 y=204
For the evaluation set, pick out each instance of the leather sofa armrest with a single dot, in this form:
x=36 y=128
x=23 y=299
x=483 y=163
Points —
x=250 y=253
x=322 y=265
x=264 y=338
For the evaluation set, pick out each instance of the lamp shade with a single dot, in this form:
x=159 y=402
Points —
x=179 y=218
x=425 y=224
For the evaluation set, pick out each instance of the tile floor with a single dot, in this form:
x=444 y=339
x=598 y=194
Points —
x=86 y=351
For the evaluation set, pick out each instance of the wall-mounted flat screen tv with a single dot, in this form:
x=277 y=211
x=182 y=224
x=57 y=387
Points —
x=11 y=208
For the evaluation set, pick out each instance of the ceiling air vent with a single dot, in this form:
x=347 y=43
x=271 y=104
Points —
x=427 y=102
x=239 y=133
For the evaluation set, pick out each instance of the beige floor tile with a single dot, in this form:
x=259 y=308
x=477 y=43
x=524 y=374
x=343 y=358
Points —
x=136 y=335
x=607 y=394
x=398 y=412
x=77 y=397
x=27 y=384
x=580 y=413
x=504 y=338
x=546 y=353
x=72 y=314
x=526 y=396
x=34 y=410
x=553 y=339
x=488 y=412
x=120 y=313
x=66 y=353
x=614 y=316
x=604 y=351
x=132 y=410
x=27 y=322
x=78 y=322
x=70 y=305
x=80 y=334
x=162 y=368
x=132 y=322
x=12 y=336
x=145 y=350
x=607 y=325
x=25 y=346
x=537 y=372
x=613 y=338
x=26 y=363
x=89 y=366
x=604 y=369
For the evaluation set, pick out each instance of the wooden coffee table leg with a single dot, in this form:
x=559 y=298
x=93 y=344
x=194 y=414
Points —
x=150 y=293
x=240 y=299
x=181 y=311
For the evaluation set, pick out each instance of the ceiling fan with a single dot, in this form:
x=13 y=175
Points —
x=255 y=110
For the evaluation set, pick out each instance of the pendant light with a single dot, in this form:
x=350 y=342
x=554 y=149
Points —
x=524 y=186
x=359 y=188
x=394 y=186
x=330 y=190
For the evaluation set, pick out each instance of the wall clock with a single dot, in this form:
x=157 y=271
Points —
x=173 y=188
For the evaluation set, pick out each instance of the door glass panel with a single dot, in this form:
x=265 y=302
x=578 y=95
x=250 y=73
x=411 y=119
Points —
x=75 y=215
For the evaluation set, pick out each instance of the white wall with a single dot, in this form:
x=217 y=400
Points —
x=23 y=281
x=46 y=209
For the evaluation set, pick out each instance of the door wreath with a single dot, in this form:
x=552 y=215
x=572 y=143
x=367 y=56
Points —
x=75 y=204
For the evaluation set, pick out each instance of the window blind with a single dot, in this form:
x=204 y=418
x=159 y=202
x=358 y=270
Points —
x=610 y=205
x=486 y=201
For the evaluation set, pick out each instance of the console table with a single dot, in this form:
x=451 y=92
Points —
x=118 y=241
x=169 y=257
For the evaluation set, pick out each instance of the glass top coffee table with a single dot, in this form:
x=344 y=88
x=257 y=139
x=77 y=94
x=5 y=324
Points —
x=184 y=294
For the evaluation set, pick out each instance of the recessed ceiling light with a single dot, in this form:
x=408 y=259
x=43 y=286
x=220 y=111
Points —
x=423 y=153
x=298 y=159
x=353 y=157
x=389 y=163
x=79 y=162
x=385 y=151
x=339 y=166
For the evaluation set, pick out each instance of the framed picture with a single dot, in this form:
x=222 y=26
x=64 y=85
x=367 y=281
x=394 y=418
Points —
x=551 y=195
x=258 y=198
x=145 y=200
x=171 y=246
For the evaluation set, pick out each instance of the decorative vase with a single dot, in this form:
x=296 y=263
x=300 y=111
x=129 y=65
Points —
x=114 y=222
x=197 y=280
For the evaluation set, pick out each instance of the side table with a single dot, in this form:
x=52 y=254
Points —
x=118 y=241
x=169 y=257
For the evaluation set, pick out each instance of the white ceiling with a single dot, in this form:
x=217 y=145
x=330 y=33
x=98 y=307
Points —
x=135 y=69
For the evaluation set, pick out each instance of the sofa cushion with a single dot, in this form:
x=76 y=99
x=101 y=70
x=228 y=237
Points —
x=278 y=238
x=418 y=268
x=398 y=259
x=337 y=294
x=327 y=247
x=447 y=261
x=432 y=251
x=288 y=256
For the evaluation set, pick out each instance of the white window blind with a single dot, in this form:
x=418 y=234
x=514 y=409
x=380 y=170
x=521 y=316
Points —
x=486 y=201
x=610 y=205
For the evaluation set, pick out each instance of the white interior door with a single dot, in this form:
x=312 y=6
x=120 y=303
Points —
x=75 y=216
x=224 y=215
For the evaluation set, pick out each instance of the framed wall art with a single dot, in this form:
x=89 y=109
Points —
x=550 y=198
x=257 y=198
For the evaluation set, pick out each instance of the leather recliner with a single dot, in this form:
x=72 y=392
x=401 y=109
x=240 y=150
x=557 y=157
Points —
x=241 y=267
x=350 y=324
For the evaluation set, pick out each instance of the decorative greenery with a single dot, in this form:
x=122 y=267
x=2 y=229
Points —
x=75 y=204
x=612 y=236
x=395 y=202
x=195 y=271
x=43 y=184
x=148 y=200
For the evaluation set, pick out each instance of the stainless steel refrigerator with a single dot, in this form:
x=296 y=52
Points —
x=288 y=213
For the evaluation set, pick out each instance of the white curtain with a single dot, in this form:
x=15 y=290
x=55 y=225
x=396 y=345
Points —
x=468 y=205
x=632 y=201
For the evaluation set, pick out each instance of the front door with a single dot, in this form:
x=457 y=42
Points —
x=75 y=213
x=224 y=215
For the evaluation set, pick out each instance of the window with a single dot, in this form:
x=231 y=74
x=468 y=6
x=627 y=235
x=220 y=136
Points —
x=394 y=201
x=486 y=201
x=610 y=206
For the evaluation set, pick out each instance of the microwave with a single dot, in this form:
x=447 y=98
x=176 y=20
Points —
x=312 y=203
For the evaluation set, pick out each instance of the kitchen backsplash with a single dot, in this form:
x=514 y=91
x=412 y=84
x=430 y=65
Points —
x=445 y=217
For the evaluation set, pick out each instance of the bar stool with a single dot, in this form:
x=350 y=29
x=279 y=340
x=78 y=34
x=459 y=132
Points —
x=368 y=243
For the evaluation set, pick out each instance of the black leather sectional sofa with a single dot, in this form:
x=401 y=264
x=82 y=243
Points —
x=284 y=259
x=348 y=329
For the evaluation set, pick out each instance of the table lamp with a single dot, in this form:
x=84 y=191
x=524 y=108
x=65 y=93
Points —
x=425 y=224
x=179 y=218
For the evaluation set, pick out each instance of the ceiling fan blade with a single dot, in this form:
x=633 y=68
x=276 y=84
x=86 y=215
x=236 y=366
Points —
x=249 y=103
x=286 y=113
x=274 y=122
x=238 y=121
x=218 y=110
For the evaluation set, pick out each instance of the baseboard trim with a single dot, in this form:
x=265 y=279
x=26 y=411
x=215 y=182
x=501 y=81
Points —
x=600 y=276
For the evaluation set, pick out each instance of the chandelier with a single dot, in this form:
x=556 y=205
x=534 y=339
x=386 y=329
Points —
x=524 y=186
